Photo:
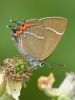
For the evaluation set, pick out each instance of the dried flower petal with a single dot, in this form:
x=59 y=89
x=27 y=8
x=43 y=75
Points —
x=1 y=77
x=13 y=88
x=68 y=86
x=66 y=91
x=46 y=82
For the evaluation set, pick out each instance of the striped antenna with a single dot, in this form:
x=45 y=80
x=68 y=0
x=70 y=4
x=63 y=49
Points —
x=10 y=26
x=18 y=23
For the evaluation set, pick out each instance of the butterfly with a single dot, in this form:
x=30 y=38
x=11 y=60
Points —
x=36 y=39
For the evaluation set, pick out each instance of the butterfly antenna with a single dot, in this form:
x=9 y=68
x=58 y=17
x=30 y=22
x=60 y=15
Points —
x=10 y=26
x=18 y=23
x=59 y=65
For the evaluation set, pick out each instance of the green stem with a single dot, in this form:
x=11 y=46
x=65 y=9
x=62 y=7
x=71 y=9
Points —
x=55 y=98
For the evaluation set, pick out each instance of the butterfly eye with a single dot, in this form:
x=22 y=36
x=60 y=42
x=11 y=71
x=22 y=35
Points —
x=14 y=30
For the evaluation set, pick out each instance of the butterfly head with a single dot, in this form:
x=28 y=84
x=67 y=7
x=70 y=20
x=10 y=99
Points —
x=15 y=28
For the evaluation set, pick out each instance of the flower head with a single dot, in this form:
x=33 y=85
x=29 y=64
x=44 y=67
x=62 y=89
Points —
x=17 y=69
x=14 y=73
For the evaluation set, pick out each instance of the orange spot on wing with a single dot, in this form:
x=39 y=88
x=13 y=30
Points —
x=19 y=32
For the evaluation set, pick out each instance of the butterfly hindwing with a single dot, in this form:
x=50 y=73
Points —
x=40 y=42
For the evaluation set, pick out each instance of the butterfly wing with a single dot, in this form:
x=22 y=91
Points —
x=34 y=42
x=56 y=23
x=40 y=42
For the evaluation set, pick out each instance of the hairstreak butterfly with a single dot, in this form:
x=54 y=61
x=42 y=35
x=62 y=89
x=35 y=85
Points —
x=36 y=39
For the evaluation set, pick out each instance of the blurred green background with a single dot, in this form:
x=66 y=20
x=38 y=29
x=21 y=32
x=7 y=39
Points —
x=65 y=51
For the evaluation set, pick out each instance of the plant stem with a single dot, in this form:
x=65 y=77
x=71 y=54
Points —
x=55 y=98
